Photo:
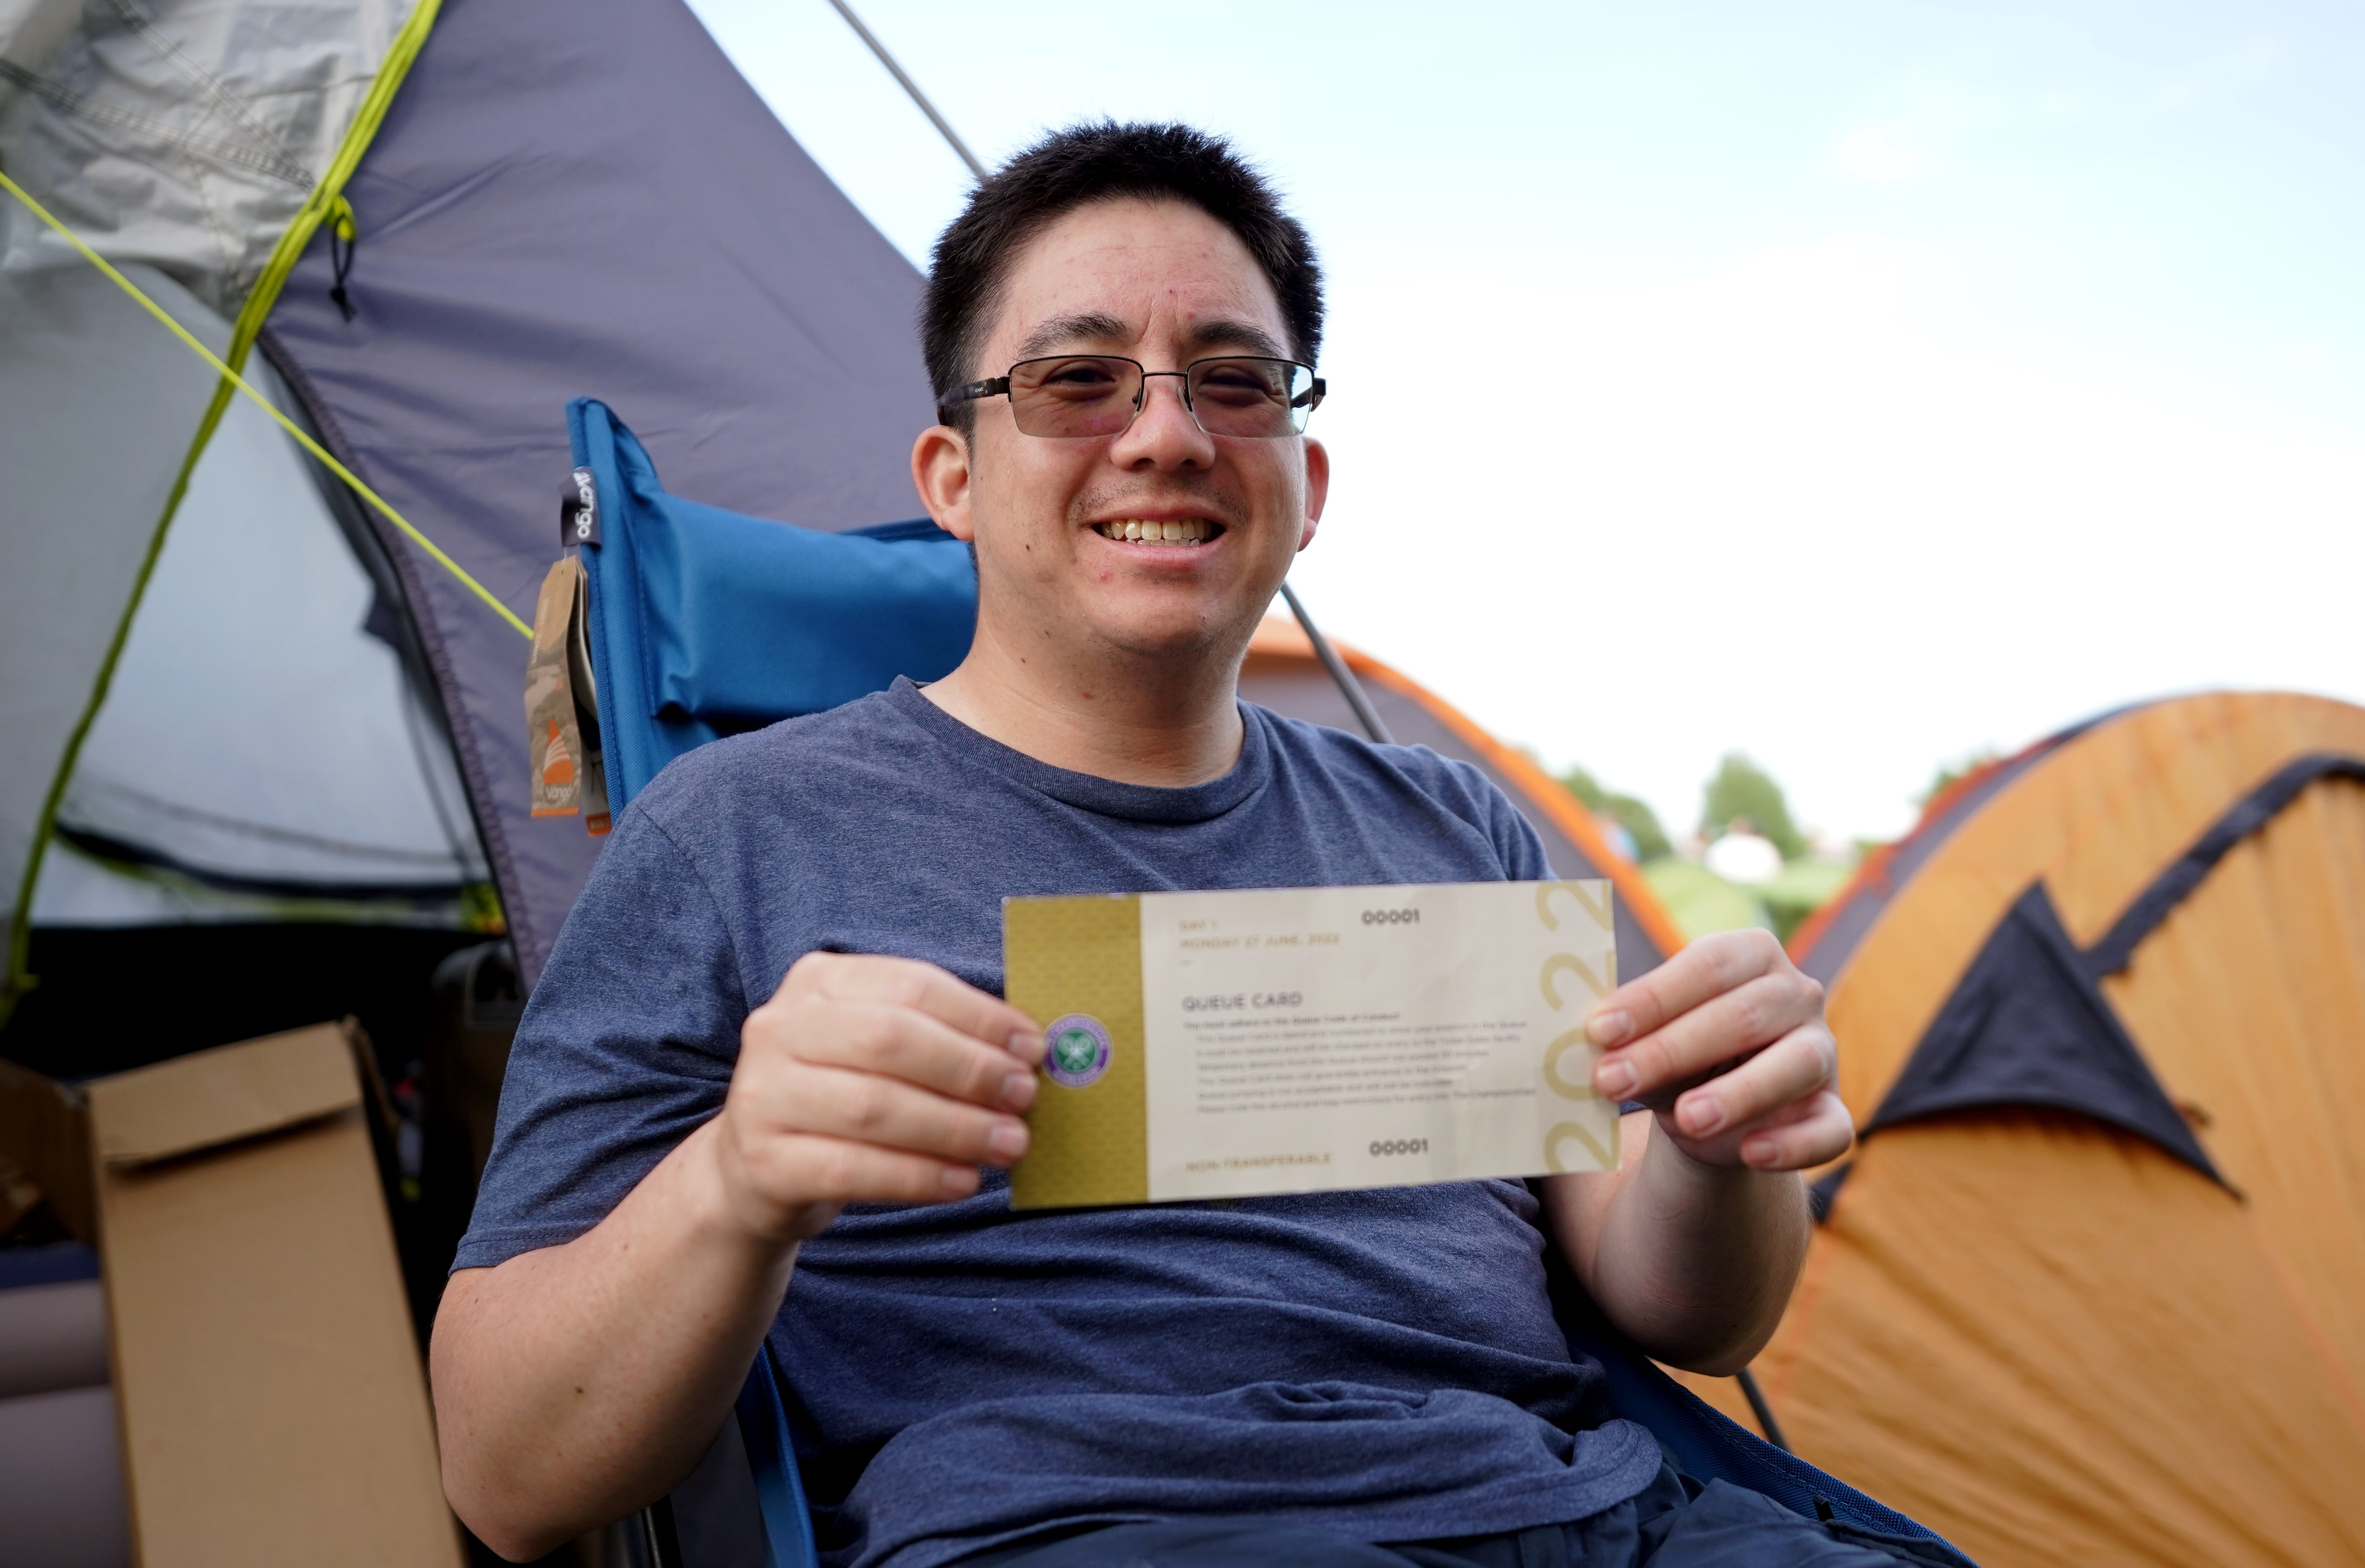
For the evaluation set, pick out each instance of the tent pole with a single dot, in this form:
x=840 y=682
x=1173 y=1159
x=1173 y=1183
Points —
x=1762 y=1411
x=1349 y=687
x=911 y=87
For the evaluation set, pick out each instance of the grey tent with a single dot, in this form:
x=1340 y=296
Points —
x=547 y=199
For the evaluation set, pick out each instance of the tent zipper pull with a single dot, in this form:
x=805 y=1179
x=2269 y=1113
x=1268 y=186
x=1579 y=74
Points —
x=342 y=235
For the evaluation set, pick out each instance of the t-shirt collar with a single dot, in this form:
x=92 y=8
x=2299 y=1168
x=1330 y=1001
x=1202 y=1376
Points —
x=1087 y=791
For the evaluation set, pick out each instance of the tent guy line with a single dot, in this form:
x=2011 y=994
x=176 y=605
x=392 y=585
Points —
x=928 y=108
x=268 y=407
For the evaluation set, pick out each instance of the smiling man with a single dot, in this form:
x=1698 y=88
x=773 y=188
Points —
x=767 y=1089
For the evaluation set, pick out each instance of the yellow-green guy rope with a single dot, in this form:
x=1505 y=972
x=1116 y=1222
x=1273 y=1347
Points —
x=327 y=198
x=265 y=404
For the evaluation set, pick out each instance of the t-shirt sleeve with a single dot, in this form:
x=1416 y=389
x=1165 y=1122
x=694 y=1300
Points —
x=627 y=1044
x=1519 y=849
x=1525 y=858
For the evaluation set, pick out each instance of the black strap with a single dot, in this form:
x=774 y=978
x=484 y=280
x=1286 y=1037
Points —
x=1770 y=1427
x=2174 y=886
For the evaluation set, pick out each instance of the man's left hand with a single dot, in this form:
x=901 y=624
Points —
x=1726 y=1042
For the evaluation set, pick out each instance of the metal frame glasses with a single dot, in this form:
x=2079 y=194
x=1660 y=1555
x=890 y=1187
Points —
x=1078 y=396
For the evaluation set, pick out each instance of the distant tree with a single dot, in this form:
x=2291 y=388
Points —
x=1743 y=789
x=1586 y=789
x=1641 y=823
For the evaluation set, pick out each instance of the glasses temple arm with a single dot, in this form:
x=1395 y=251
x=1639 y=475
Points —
x=992 y=386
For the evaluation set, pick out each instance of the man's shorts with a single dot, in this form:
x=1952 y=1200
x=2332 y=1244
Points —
x=1673 y=1523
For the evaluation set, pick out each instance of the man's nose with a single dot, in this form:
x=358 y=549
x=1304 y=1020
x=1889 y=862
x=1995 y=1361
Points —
x=1164 y=434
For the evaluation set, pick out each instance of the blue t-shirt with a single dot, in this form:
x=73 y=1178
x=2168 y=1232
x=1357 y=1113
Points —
x=1382 y=1363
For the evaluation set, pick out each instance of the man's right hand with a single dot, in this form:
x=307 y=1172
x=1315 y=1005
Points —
x=870 y=1079
x=576 y=1382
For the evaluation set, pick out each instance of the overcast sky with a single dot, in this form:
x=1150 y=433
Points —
x=1853 y=384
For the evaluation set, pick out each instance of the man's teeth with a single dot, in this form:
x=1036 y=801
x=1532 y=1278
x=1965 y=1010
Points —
x=1189 y=531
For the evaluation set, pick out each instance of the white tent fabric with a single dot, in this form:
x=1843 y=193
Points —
x=97 y=403
x=179 y=137
x=261 y=754
x=182 y=133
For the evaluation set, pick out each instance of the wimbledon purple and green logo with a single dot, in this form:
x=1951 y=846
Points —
x=1079 y=1051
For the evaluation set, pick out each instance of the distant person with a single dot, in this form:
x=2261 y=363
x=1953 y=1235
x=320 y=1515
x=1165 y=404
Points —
x=767 y=1086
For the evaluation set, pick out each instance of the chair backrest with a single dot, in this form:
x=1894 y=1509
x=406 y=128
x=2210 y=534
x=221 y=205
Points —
x=705 y=622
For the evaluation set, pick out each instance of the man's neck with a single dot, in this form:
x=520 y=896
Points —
x=1138 y=718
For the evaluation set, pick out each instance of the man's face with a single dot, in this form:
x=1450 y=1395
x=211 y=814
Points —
x=1164 y=284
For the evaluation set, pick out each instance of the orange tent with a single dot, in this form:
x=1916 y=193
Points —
x=2092 y=1289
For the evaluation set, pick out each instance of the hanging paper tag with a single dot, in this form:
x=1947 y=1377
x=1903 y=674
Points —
x=561 y=730
x=553 y=743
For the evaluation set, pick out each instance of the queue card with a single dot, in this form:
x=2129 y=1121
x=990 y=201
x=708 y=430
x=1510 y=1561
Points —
x=1223 y=1044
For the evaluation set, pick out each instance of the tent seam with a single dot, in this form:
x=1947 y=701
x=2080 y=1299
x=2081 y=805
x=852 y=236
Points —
x=475 y=777
x=392 y=70
x=182 y=140
x=216 y=92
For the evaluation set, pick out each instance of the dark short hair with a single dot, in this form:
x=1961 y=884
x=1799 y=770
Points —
x=1107 y=162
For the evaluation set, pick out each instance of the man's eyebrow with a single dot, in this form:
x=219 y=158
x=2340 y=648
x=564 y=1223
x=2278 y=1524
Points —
x=1226 y=334
x=1086 y=326
x=1090 y=327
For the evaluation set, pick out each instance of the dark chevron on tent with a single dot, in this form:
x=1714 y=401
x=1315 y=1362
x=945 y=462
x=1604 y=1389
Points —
x=2028 y=1026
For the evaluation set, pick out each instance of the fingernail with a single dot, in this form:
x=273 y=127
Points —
x=957 y=1181
x=1759 y=1151
x=1610 y=1028
x=1614 y=1079
x=1700 y=1114
x=1018 y=1089
x=1007 y=1139
x=1027 y=1044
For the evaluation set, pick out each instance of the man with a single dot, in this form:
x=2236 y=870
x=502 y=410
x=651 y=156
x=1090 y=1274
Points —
x=767 y=1087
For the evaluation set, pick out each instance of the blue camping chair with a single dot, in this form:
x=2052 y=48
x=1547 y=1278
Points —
x=705 y=622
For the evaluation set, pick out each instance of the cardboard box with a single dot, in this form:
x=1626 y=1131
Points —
x=268 y=1389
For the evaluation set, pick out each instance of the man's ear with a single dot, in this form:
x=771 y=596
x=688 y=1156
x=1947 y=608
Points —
x=1317 y=487
x=940 y=472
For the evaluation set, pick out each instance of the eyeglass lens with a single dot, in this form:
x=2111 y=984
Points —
x=1089 y=394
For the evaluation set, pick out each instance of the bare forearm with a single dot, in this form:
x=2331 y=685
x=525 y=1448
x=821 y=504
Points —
x=575 y=1383
x=1693 y=1262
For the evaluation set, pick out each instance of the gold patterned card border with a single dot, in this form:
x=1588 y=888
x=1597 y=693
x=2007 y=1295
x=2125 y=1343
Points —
x=1077 y=962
